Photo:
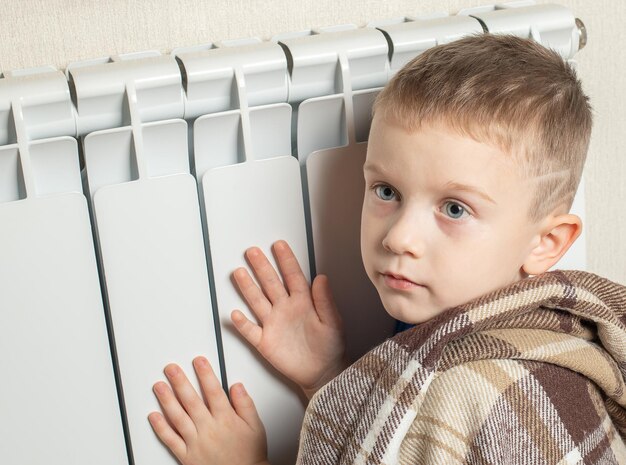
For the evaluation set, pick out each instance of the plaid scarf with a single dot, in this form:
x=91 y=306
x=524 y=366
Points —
x=531 y=373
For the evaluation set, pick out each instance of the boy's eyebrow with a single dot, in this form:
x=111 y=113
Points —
x=449 y=185
x=372 y=167
x=464 y=187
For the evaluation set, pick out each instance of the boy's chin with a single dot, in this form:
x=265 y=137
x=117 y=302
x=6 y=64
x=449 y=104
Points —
x=412 y=315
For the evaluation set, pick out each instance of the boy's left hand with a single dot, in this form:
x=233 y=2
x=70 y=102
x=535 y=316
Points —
x=300 y=330
x=208 y=434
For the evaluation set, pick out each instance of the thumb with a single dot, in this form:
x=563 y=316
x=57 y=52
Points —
x=244 y=406
x=251 y=332
x=324 y=302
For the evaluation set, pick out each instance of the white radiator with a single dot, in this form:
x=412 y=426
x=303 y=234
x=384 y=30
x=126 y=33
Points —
x=110 y=272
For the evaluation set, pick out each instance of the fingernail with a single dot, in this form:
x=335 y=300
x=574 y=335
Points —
x=241 y=390
x=280 y=245
x=160 y=388
x=253 y=252
x=202 y=362
x=171 y=371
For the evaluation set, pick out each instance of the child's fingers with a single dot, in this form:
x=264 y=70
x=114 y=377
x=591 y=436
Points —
x=266 y=275
x=252 y=332
x=254 y=296
x=290 y=268
x=244 y=406
x=167 y=435
x=324 y=302
x=191 y=402
x=174 y=411
x=211 y=387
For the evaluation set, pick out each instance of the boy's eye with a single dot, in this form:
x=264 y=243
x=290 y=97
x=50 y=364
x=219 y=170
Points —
x=384 y=192
x=454 y=210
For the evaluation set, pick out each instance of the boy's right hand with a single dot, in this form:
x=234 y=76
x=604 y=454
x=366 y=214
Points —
x=301 y=332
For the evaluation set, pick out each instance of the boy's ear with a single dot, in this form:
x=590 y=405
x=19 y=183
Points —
x=556 y=237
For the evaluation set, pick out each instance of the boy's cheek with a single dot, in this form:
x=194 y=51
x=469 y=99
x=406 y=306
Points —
x=374 y=220
x=369 y=238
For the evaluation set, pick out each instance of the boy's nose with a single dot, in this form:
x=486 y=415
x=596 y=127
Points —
x=405 y=236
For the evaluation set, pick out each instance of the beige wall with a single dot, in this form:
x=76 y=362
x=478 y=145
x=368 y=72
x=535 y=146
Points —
x=56 y=32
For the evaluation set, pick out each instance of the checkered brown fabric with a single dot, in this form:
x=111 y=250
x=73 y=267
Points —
x=533 y=373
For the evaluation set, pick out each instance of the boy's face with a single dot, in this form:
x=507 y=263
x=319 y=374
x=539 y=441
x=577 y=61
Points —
x=428 y=241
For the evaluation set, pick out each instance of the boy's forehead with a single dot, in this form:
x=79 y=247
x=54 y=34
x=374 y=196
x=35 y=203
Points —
x=384 y=126
x=389 y=136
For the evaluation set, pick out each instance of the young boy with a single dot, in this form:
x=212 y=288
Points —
x=475 y=152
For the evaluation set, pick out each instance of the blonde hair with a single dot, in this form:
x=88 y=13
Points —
x=506 y=91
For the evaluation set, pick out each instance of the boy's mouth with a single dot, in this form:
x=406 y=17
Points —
x=398 y=281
